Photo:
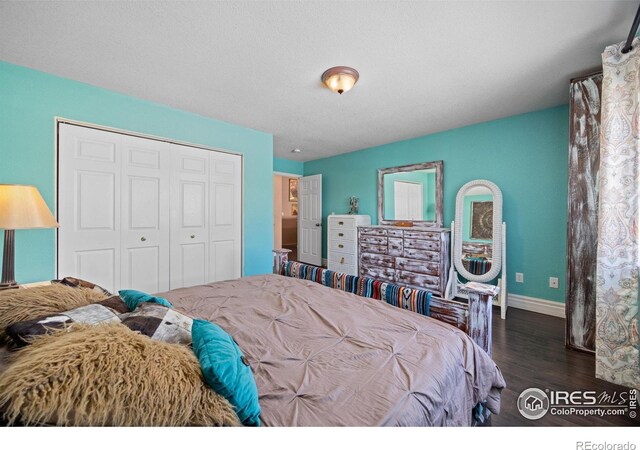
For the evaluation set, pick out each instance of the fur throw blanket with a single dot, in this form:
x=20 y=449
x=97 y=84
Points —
x=109 y=375
x=17 y=305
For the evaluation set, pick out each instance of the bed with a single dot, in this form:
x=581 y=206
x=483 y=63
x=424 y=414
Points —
x=325 y=357
x=322 y=356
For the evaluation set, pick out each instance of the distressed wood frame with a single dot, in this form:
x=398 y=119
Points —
x=582 y=211
x=439 y=166
x=280 y=259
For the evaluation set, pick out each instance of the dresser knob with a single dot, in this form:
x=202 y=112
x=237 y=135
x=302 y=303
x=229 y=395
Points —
x=340 y=234
x=193 y=236
x=143 y=238
x=342 y=260
x=340 y=223
x=340 y=246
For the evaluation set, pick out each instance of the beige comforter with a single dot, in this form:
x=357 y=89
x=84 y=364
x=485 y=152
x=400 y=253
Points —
x=324 y=357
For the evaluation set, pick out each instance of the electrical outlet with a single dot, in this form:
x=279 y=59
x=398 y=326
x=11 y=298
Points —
x=553 y=282
x=519 y=277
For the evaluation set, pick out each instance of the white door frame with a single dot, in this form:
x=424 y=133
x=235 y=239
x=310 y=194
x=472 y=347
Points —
x=56 y=154
x=289 y=175
x=284 y=175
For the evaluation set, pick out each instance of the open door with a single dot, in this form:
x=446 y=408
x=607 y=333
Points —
x=310 y=220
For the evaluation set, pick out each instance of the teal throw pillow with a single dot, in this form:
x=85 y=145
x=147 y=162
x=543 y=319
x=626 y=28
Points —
x=225 y=369
x=133 y=299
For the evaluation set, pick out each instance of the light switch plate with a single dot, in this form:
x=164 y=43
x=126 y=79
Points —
x=519 y=277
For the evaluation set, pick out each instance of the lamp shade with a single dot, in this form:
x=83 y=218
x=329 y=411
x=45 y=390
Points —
x=23 y=207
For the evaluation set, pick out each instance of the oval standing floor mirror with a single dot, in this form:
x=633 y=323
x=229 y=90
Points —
x=478 y=235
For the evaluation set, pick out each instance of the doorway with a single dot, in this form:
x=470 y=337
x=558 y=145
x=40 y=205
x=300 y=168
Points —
x=285 y=211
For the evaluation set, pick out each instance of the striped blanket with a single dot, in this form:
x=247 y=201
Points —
x=416 y=300
x=477 y=266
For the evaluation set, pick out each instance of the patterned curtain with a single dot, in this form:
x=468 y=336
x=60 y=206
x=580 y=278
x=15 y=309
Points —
x=617 y=358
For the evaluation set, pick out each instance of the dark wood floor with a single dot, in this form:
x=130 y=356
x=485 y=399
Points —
x=529 y=349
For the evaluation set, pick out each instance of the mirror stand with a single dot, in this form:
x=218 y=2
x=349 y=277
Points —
x=456 y=288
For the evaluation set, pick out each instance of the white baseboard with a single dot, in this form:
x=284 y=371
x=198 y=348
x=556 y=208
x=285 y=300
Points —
x=538 y=305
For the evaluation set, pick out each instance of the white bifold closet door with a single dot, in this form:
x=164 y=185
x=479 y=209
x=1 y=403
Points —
x=206 y=217
x=189 y=217
x=225 y=226
x=89 y=205
x=144 y=214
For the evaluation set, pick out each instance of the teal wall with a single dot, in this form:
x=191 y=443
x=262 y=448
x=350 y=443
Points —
x=525 y=155
x=29 y=102
x=466 y=215
x=288 y=166
x=428 y=182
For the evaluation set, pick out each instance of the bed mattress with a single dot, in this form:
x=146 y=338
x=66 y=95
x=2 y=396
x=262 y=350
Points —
x=324 y=357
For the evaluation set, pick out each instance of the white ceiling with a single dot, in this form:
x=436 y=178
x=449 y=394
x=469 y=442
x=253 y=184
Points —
x=424 y=66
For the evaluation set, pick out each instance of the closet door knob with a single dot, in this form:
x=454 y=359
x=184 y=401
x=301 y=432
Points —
x=193 y=236
x=143 y=238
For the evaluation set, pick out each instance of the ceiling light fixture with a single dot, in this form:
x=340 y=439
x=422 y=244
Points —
x=340 y=79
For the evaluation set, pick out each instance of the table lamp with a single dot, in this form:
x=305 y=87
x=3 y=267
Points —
x=21 y=207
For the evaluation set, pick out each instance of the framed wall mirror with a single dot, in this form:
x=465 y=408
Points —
x=411 y=193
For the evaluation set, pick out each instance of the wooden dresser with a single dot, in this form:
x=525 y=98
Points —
x=342 y=242
x=414 y=257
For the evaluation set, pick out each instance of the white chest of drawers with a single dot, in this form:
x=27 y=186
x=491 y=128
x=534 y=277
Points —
x=342 y=242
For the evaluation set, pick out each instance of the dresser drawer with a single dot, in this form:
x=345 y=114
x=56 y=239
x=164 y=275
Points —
x=349 y=270
x=396 y=233
x=373 y=248
x=426 y=235
x=419 y=280
x=343 y=262
x=370 y=231
x=378 y=273
x=346 y=259
x=422 y=244
x=342 y=222
x=342 y=246
x=374 y=260
x=342 y=235
x=395 y=246
x=414 y=265
x=426 y=255
x=377 y=240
